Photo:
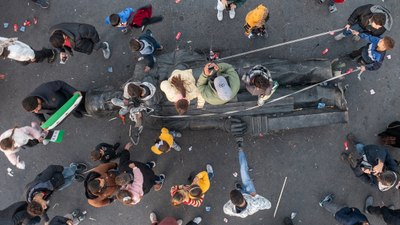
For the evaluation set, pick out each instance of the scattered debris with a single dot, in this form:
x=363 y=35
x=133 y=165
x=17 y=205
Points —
x=293 y=215
x=389 y=56
x=372 y=92
x=55 y=205
x=190 y=148
x=5 y=25
x=140 y=59
x=177 y=1
x=321 y=105
x=189 y=42
x=332 y=33
x=27 y=23
x=110 y=69
x=22 y=29
x=178 y=36
x=208 y=208
x=235 y=174
x=10 y=172
x=324 y=52
x=92 y=219
x=35 y=20
x=346 y=145
x=225 y=220
x=15 y=27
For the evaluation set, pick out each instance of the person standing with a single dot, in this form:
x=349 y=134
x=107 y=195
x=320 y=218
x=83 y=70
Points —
x=16 y=50
x=79 y=37
x=390 y=216
x=49 y=97
x=228 y=5
x=344 y=215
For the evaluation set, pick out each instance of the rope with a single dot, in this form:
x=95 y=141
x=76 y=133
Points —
x=269 y=102
x=279 y=45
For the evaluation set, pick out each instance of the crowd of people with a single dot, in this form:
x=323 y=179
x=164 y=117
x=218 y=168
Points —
x=128 y=181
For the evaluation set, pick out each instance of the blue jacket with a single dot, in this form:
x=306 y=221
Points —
x=373 y=59
x=350 y=216
x=124 y=17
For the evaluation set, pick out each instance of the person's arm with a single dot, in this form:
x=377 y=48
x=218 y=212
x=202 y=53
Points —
x=262 y=203
x=150 y=60
x=97 y=203
x=32 y=132
x=368 y=37
x=124 y=159
x=89 y=32
x=40 y=116
x=357 y=13
x=195 y=202
x=106 y=167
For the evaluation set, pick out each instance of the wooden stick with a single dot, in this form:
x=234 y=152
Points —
x=280 y=195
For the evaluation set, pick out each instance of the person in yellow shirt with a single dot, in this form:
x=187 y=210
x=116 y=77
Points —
x=203 y=178
x=165 y=142
x=255 y=22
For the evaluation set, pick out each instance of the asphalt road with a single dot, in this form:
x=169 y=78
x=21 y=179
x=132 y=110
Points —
x=309 y=158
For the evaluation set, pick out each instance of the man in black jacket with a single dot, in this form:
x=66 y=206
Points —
x=79 y=37
x=16 y=214
x=49 y=97
x=53 y=178
x=390 y=216
x=369 y=19
x=74 y=218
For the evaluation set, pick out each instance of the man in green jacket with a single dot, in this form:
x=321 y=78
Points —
x=218 y=83
x=229 y=5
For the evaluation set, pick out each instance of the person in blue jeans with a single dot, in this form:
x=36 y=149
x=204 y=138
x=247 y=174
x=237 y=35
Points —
x=244 y=201
x=343 y=214
x=375 y=167
x=146 y=45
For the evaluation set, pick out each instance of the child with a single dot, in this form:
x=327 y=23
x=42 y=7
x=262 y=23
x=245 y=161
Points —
x=105 y=152
x=331 y=3
x=372 y=55
x=129 y=18
x=146 y=45
x=165 y=142
x=255 y=22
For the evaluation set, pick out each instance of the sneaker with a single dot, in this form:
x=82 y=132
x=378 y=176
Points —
x=79 y=178
x=332 y=8
x=197 y=220
x=159 y=183
x=118 y=102
x=210 y=171
x=321 y=1
x=327 y=199
x=151 y=164
x=238 y=186
x=346 y=157
x=179 y=222
x=220 y=15
x=175 y=134
x=107 y=51
x=45 y=142
x=369 y=201
x=53 y=57
x=356 y=38
x=44 y=4
x=79 y=215
x=81 y=167
x=153 y=217
x=339 y=37
x=116 y=145
x=232 y=13
x=176 y=147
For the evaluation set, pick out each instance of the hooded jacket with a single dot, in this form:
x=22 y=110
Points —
x=362 y=14
x=256 y=18
x=81 y=36
x=350 y=216
x=16 y=214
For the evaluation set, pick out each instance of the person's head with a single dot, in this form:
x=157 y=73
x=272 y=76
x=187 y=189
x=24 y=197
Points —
x=237 y=198
x=387 y=178
x=32 y=104
x=195 y=191
x=182 y=104
x=386 y=43
x=261 y=82
x=95 y=155
x=123 y=179
x=377 y=20
x=125 y=197
x=162 y=146
x=178 y=197
x=114 y=20
x=97 y=186
x=135 y=45
x=57 y=39
x=135 y=91
x=36 y=208
x=388 y=140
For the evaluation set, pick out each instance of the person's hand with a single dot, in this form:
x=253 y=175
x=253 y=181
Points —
x=224 y=2
x=367 y=171
x=147 y=69
x=233 y=6
x=354 y=32
x=70 y=222
x=378 y=168
x=128 y=145
x=347 y=27
x=200 y=106
x=207 y=71
x=132 y=165
x=362 y=68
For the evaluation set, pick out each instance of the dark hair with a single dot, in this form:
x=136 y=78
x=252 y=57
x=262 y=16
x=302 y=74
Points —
x=124 y=194
x=95 y=155
x=195 y=191
x=134 y=45
x=261 y=82
x=177 y=197
x=387 y=178
x=389 y=42
x=114 y=19
x=94 y=186
x=378 y=18
x=236 y=197
x=134 y=90
x=164 y=147
x=8 y=143
x=123 y=179
x=30 y=103
x=181 y=105
x=57 y=39
x=35 y=208
x=5 y=53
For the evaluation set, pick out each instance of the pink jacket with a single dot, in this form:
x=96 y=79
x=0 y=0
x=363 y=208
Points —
x=136 y=188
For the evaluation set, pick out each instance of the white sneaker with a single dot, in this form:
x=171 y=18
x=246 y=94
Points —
x=339 y=37
x=232 y=13
x=153 y=217
x=197 y=220
x=179 y=222
x=107 y=51
x=118 y=102
x=210 y=170
x=220 y=15
x=45 y=142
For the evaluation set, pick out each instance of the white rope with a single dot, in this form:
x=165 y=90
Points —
x=257 y=106
x=280 y=44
